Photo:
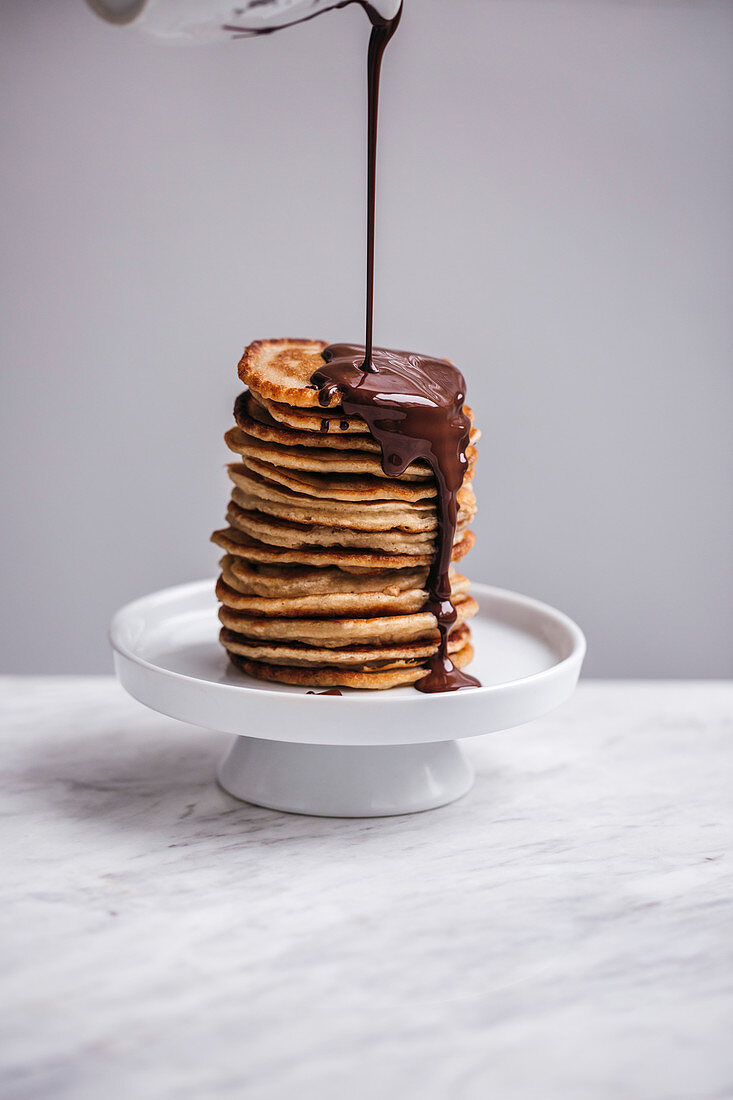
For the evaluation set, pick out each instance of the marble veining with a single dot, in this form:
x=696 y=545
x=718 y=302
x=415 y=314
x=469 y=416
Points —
x=563 y=931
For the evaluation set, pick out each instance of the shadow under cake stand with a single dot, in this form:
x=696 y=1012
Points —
x=366 y=753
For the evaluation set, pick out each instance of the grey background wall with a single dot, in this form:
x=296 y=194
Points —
x=555 y=215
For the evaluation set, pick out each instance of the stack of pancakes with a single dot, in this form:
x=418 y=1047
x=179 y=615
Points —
x=326 y=557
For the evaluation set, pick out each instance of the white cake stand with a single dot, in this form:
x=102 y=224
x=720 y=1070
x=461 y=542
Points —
x=366 y=753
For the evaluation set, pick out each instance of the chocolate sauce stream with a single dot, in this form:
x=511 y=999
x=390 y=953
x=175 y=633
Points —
x=413 y=405
x=382 y=31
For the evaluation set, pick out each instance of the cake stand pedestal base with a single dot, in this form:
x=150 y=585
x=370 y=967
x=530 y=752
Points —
x=345 y=781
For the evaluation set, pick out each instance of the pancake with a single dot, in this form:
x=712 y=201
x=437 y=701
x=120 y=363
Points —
x=327 y=421
x=326 y=460
x=342 y=677
x=256 y=495
x=256 y=492
x=321 y=421
x=281 y=370
x=359 y=658
x=343 y=486
x=287 y=533
x=255 y=420
x=324 y=605
x=334 y=632
x=313 y=493
x=238 y=543
x=294 y=581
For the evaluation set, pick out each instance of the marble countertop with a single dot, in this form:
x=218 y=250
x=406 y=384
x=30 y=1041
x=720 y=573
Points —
x=563 y=931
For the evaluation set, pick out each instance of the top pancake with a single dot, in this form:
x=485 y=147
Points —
x=281 y=370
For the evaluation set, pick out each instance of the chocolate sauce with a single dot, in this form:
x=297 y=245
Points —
x=413 y=405
x=330 y=691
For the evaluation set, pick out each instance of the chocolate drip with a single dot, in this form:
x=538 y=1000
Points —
x=330 y=691
x=413 y=405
